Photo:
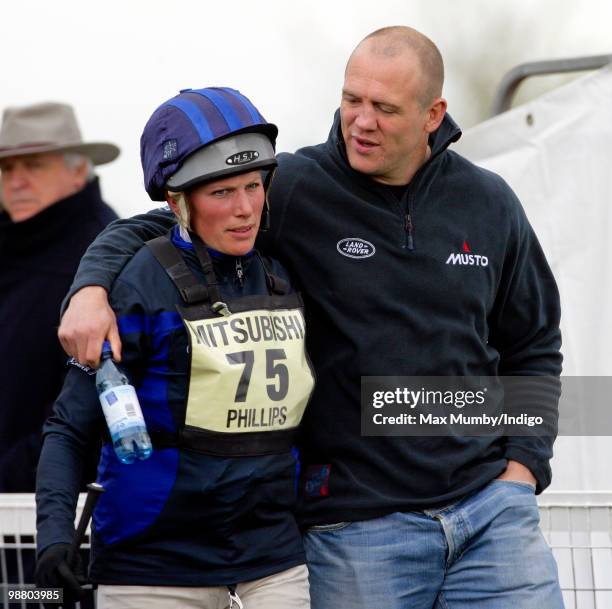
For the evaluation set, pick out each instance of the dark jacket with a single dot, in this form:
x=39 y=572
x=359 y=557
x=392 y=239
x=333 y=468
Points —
x=406 y=309
x=411 y=309
x=38 y=259
x=180 y=517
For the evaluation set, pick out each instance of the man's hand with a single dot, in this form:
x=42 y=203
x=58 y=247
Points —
x=88 y=320
x=518 y=472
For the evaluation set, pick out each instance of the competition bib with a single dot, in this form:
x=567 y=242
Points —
x=249 y=371
x=250 y=379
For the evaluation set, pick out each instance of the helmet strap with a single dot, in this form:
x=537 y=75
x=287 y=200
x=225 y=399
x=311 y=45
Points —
x=264 y=225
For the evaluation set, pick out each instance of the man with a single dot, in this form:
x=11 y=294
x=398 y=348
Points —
x=368 y=221
x=52 y=211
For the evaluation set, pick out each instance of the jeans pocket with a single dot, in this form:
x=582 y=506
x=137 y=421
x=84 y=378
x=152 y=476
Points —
x=324 y=528
x=519 y=483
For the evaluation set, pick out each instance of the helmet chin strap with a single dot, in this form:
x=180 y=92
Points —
x=265 y=214
x=264 y=225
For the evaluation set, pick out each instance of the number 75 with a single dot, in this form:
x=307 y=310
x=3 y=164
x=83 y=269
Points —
x=275 y=370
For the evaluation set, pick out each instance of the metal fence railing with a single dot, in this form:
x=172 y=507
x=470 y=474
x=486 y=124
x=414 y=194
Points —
x=514 y=77
x=18 y=549
x=577 y=526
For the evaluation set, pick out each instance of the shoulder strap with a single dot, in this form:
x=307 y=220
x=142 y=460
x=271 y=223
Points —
x=207 y=266
x=190 y=288
x=276 y=285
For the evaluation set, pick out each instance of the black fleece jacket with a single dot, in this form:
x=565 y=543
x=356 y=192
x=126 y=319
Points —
x=38 y=259
x=420 y=304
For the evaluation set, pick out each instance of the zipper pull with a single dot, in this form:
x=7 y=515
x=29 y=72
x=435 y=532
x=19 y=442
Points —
x=239 y=272
x=408 y=229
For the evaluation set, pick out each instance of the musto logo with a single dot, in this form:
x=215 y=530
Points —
x=467 y=260
x=353 y=247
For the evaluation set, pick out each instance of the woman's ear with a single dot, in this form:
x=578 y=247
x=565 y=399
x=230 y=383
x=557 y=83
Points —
x=179 y=206
x=172 y=203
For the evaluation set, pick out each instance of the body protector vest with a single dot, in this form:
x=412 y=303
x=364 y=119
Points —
x=250 y=377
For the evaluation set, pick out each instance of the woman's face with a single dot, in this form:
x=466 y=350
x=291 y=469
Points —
x=226 y=213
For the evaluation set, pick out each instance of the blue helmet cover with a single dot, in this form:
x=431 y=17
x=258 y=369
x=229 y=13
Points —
x=189 y=121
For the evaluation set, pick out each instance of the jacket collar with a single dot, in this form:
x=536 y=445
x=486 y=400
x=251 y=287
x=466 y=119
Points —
x=43 y=229
x=223 y=263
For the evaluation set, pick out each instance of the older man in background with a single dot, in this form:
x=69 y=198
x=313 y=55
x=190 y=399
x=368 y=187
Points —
x=51 y=211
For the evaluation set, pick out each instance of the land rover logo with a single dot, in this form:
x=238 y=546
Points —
x=240 y=158
x=354 y=247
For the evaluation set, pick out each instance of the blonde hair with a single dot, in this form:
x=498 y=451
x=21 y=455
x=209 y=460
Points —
x=183 y=215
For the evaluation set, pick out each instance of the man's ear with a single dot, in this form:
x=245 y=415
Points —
x=436 y=113
x=80 y=173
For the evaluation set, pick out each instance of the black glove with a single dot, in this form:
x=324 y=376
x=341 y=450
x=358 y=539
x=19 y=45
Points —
x=55 y=568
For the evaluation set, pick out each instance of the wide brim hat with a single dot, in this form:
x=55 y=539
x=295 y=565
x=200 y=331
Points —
x=48 y=127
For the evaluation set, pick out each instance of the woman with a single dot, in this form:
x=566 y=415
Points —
x=213 y=340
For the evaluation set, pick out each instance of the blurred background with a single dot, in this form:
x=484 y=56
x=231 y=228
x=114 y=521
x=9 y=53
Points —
x=115 y=61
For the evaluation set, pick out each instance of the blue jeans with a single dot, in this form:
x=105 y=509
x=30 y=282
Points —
x=485 y=551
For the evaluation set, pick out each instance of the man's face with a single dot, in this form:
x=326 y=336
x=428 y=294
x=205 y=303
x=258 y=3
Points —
x=384 y=125
x=33 y=182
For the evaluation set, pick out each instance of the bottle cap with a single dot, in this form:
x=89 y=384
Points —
x=106 y=349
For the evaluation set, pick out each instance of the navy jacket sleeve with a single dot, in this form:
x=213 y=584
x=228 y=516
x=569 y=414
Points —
x=524 y=328
x=68 y=434
x=115 y=246
x=74 y=428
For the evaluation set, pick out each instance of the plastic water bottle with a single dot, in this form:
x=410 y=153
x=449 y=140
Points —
x=122 y=411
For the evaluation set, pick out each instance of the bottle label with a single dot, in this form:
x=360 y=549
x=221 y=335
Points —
x=121 y=408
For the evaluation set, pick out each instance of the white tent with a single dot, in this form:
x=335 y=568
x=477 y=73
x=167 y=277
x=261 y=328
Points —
x=556 y=153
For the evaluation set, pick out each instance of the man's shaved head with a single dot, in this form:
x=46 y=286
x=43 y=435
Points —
x=395 y=40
